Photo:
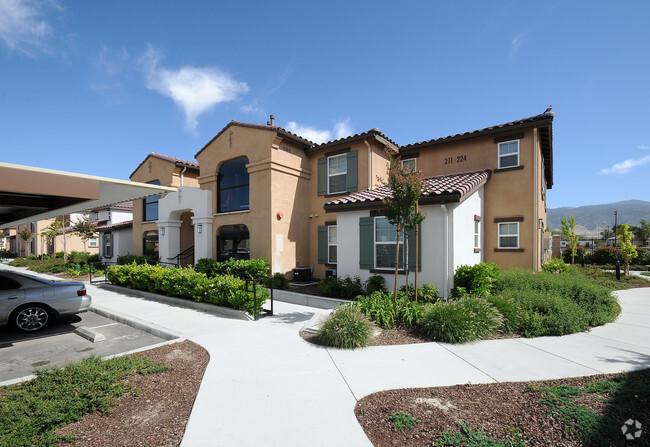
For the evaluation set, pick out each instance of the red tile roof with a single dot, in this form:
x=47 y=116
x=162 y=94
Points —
x=115 y=226
x=372 y=133
x=447 y=188
x=177 y=161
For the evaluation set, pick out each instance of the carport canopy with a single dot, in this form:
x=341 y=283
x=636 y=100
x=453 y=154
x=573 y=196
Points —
x=29 y=194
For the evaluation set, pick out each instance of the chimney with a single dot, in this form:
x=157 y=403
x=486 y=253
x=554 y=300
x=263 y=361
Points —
x=272 y=122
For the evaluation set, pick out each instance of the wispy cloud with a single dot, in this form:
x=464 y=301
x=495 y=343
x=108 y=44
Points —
x=195 y=90
x=341 y=129
x=23 y=27
x=643 y=147
x=111 y=62
x=625 y=166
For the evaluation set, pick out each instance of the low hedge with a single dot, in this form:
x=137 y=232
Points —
x=242 y=268
x=188 y=283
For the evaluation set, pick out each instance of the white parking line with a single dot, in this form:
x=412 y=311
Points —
x=104 y=325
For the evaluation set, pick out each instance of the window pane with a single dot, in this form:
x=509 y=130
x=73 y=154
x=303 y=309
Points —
x=409 y=164
x=332 y=234
x=476 y=241
x=386 y=256
x=511 y=147
x=337 y=183
x=235 y=199
x=508 y=241
x=332 y=253
x=151 y=211
x=510 y=160
x=508 y=229
x=337 y=164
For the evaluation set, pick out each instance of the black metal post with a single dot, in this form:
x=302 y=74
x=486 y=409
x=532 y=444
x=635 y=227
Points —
x=618 y=270
x=255 y=299
x=615 y=225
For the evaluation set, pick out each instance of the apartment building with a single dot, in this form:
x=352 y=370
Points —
x=261 y=191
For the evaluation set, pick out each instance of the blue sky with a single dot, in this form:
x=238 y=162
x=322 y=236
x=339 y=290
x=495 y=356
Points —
x=93 y=87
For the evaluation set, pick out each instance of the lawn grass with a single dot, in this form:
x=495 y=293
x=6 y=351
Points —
x=31 y=412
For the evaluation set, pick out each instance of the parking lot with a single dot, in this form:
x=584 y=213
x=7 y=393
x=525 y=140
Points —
x=58 y=344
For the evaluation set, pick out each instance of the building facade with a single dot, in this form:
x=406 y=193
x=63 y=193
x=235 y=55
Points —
x=263 y=192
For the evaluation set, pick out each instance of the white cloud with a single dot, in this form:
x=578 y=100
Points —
x=195 y=90
x=643 y=147
x=624 y=167
x=341 y=129
x=22 y=26
x=111 y=62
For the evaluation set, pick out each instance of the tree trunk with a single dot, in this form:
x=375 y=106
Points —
x=415 y=282
x=396 y=264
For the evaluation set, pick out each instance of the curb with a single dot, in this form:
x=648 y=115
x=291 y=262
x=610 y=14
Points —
x=318 y=302
x=136 y=323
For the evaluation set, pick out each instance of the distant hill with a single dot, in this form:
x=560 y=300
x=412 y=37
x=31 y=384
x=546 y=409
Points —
x=592 y=219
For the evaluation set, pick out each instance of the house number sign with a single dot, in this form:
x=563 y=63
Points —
x=457 y=159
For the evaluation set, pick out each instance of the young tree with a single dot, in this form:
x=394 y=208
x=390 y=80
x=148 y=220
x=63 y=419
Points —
x=25 y=234
x=85 y=229
x=402 y=208
x=569 y=233
x=628 y=250
x=642 y=232
x=52 y=230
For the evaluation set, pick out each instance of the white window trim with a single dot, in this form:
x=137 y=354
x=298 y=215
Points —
x=336 y=175
x=329 y=260
x=508 y=155
x=508 y=235
x=93 y=242
x=477 y=234
x=414 y=160
x=374 y=237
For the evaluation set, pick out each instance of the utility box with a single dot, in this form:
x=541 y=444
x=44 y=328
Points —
x=330 y=273
x=302 y=274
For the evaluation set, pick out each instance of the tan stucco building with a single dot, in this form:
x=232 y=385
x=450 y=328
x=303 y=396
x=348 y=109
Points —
x=261 y=191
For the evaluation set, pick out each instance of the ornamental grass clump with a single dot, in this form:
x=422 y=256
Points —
x=460 y=321
x=346 y=328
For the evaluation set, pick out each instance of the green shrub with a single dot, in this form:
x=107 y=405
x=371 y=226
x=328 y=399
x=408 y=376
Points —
x=345 y=288
x=243 y=268
x=59 y=255
x=556 y=265
x=379 y=307
x=460 y=321
x=580 y=252
x=347 y=328
x=130 y=259
x=375 y=283
x=19 y=262
x=476 y=280
x=48 y=266
x=510 y=308
x=605 y=255
x=279 y=281
x=32 y=258
x=402 y=420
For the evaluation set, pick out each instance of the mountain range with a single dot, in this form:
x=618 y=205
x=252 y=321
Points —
x=592 y=219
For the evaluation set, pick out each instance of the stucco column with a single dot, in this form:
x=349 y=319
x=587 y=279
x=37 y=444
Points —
x=202 y=237
x=169 y=239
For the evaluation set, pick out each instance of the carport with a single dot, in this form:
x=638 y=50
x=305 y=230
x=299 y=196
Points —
x=29 y=194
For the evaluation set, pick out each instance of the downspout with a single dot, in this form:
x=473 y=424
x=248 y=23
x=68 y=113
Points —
x=183 y=172
x=535 y=204
x=369 y=163
x=445 y=250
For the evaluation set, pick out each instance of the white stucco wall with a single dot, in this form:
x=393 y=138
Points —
x=119 y=216
x=441 y=254
x=463 y=230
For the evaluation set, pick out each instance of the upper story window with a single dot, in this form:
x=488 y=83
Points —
x=509 y=235
x=233 y=186
x=410 y=164
x=337 y=170
x=477 y=233
x=150 y=205
x=508 y=154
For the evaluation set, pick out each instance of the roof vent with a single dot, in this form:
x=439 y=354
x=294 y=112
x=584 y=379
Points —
x=271 y=122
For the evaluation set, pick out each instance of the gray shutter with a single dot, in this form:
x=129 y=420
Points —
x=366 y=243
x=322 y=245
x=412 y=249
x=322 y=176
x=351 y=176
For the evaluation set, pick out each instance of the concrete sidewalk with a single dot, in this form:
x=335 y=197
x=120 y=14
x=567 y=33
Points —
x=264 y=385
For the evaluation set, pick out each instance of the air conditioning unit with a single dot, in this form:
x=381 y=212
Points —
x=302 y=274
x=330 y=273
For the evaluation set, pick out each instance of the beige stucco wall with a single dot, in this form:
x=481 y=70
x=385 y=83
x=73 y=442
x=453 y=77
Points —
x=72 y=241
x=508 y=193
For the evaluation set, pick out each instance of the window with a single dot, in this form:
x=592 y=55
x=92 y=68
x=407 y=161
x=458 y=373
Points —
x=108 y=245
x=337 y=169
x=509 y=235
x=92 y=242
x=508 y=154
x=233 y=186
x=8 y=283
x=410 y=164
x=150 y=205
x=331 y=244
x=233 y=241
x=477 y=234
x=386 y=244
x=150 y=243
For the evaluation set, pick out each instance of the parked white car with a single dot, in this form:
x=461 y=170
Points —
x=29 y=303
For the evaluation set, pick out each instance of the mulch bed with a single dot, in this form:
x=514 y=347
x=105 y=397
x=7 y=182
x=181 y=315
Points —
x=495 y=408
x=158 y=413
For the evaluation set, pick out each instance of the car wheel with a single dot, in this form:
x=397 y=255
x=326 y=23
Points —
x=31 y=318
